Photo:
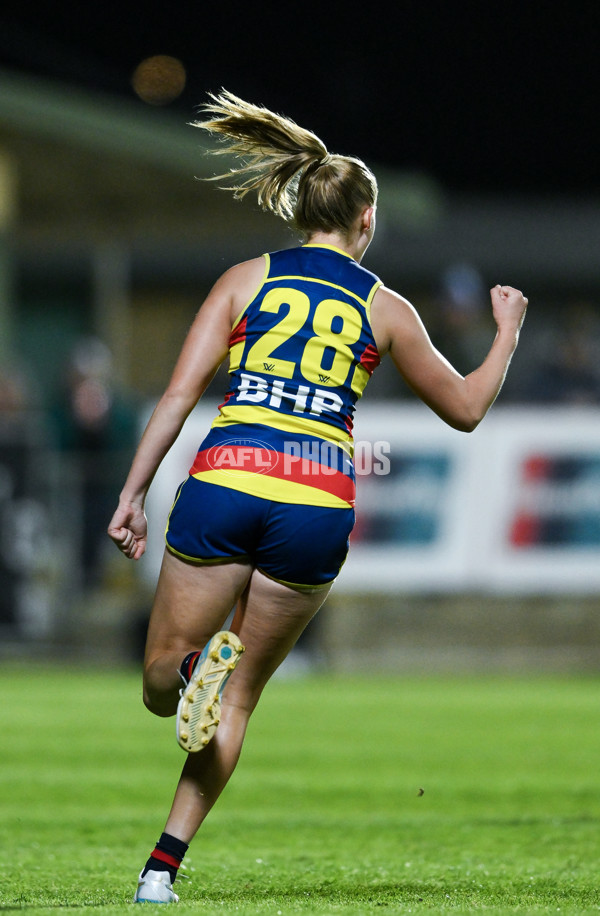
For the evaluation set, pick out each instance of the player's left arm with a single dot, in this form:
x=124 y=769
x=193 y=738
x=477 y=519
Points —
x=203 y=351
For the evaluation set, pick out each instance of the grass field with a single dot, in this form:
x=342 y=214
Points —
x=324 y=814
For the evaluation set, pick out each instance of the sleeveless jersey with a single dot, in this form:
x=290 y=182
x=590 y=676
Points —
x=300 y=355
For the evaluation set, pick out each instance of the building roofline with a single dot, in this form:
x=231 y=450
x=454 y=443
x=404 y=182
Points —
x=101 y=123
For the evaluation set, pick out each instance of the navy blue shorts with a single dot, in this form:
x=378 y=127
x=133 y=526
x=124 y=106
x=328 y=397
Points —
x=294 y=544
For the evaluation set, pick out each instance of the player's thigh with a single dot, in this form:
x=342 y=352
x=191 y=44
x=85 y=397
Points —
x=269 y=619
x=192 y=602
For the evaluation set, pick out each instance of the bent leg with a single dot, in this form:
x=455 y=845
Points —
x=269 y=619
x=191 y=604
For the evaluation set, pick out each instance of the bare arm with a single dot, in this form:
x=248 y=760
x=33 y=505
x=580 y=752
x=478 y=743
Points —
x=461 y=401
x=205 y=348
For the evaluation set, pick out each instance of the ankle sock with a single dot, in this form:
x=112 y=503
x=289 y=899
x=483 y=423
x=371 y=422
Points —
x=167 y=855
x=187 y=665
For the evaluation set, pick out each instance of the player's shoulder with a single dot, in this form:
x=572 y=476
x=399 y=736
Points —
x=244 y=272
x=391 y=315
x=386 y=298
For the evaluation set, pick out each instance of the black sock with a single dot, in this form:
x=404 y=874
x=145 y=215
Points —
x=167 y=855
x=187 y=665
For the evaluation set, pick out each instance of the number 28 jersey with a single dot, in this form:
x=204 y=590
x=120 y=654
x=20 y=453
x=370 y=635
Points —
x=300 y=356
x=302 y=351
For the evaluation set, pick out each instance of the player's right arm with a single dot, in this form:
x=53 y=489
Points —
x=461 y=401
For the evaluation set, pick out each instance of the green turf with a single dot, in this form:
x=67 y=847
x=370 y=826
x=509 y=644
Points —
x=324 y=814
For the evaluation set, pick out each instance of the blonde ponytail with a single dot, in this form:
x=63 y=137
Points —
x=287 y=166
x=273 y=150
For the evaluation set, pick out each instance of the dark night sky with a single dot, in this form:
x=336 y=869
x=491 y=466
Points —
x=484 y=96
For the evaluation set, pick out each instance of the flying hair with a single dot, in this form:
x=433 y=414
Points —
x=287 y=166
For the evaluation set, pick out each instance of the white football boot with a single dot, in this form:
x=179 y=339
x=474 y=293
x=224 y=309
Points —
x=199 y=709
x=155 y=887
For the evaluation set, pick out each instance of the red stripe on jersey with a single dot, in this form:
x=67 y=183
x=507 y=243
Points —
x=228 y=397
x=312 y=474
x=370 y=359
x=232 y=458
x=239 y=333
x=295 y=468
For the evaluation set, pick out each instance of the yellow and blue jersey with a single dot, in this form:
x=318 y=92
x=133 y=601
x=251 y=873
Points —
x=300 y=355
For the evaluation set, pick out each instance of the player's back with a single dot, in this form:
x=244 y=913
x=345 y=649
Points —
x=302 y=350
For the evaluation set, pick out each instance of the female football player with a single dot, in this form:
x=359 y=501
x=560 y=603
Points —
x=262 y=522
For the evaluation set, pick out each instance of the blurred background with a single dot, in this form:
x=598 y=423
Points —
x=474 y=551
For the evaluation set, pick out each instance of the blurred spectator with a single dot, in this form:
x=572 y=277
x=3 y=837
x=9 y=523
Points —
x=567 y=370
x=96 y=427
x=19 y=512
x=14 y=392
x=461 y=325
